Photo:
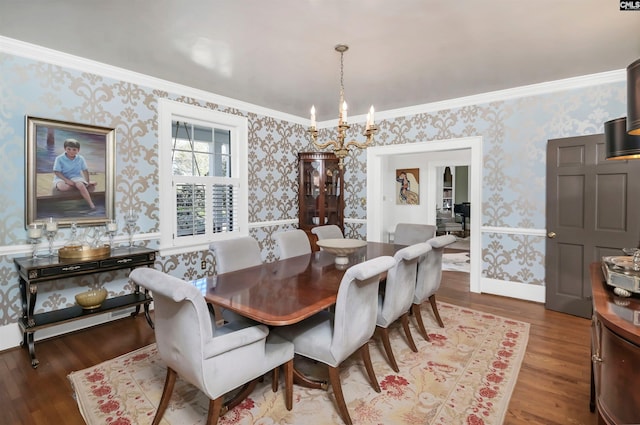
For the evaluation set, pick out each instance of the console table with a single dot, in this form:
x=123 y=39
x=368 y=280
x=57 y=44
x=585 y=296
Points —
x=615 y=353
x=35 y=271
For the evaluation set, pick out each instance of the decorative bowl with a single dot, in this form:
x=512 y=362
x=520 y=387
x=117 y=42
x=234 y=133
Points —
x=341 y=248
x=84 y=252
x=91 y=299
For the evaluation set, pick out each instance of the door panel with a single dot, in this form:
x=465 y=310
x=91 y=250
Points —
x=593 y=207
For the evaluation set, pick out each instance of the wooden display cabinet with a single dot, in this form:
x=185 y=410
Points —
x=321 y=192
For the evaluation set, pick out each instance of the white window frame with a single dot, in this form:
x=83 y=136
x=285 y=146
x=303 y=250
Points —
x=169 y=111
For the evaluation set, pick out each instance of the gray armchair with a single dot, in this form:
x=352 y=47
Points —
x=330 y=231
x=216 y=360
x=428 y=281
x=395 y=301
x=410 y=233
x=292 y=243
x=330 y=338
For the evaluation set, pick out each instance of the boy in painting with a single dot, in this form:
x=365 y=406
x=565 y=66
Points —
x=71 y=172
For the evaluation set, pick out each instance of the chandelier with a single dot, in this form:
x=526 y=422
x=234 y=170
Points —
x=340 y=148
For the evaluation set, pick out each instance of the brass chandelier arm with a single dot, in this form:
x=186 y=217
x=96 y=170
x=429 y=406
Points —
x=358 y=144
x=327 y=144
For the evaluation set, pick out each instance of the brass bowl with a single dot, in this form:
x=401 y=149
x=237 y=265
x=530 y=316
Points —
x=91 y=299
x=84 y=252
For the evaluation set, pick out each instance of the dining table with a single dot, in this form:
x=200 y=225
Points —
x=286 y=291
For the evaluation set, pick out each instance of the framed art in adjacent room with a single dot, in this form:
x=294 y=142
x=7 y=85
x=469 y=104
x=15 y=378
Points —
x=408 y=186
x=70 y=172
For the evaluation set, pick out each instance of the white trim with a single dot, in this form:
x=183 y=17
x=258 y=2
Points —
x=514 y=231
x=42 y=54
x=273 y=223
x=517 y=290
x=375 y=157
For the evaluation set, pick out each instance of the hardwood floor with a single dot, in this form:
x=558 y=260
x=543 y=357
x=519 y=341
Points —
x=552 y=388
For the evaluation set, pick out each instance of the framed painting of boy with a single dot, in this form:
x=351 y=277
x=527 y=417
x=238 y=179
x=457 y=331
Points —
x=70 y=172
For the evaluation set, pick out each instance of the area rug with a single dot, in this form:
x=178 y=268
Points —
x=464 y=375
x=456 y=262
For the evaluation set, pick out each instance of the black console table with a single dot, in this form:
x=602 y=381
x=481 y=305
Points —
x=34 y=271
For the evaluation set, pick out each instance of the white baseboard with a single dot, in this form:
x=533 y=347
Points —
x=517 y=290
x=11 y=336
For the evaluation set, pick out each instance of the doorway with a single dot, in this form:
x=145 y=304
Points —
x=377 y=158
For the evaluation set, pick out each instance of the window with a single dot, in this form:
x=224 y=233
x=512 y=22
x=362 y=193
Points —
x=203 y=176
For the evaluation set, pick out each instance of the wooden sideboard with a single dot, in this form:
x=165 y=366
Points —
x=615 y=354
x=35 y=271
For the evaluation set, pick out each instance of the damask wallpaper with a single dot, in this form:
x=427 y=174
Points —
x=514 y=132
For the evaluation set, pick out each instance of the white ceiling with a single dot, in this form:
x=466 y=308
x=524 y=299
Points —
x=279 y=54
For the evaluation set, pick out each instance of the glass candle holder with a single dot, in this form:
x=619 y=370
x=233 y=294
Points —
x=131 y=219
x=112 y=229
x=51 y=230
x=34 y=234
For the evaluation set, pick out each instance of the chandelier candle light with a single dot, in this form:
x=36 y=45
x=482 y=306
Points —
x=340 y=149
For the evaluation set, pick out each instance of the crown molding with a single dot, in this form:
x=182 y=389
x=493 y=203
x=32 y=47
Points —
x=43 y=54
x=39 y=53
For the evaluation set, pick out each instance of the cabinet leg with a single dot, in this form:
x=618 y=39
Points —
x=29 y=339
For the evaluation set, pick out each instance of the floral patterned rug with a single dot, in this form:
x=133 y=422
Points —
x=464 y=375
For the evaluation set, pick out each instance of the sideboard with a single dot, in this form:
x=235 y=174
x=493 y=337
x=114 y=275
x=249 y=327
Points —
x=615 y=353
x=36 y=271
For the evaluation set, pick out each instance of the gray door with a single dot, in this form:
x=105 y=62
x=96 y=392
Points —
x=593 y=209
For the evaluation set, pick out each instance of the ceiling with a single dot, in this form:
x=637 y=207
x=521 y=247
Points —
x=279 y=54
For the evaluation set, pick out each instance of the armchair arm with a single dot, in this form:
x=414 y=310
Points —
x=236 y=339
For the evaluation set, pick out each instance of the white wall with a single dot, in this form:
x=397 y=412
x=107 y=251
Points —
x=426 y=162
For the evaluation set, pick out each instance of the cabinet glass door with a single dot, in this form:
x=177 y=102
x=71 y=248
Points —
x=312 y=184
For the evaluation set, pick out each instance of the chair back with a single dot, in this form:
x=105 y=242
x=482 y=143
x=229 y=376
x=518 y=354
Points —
x=329 y=231
x=357 y=305
x=182 y=322
x=292 y=243
x=430 y=268
x=400 y=285
x=236 y=254
x=410 y=233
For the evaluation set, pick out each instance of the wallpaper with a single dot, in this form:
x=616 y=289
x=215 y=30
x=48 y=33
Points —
x=515 y=133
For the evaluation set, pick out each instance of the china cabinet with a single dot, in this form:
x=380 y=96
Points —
x=321 y=192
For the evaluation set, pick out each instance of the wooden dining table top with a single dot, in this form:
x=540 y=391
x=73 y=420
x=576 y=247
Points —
x=286 y=291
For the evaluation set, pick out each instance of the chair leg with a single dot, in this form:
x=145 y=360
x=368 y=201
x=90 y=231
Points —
x=288 y=384
x=404 y=319
x=169 y=382
x=415 y=309
x=334 y=378
x=366 y=358
x=215 y=407
x=276 y=378
x=384 y=334
x=434 y=306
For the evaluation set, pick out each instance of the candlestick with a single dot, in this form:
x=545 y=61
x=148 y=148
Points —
x=51 y=229
x=313 y=116
x=34 y=234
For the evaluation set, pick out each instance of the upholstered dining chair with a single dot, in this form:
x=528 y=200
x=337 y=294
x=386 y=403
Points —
x=428 y=280
x=216 y=360
x=395 y=301
x=236 y=254
x=231 y=255
x=329 y=231
x=410 y=233
x=292 y=243
x=331 y=337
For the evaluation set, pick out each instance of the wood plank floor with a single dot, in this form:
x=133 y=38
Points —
x=552 y=388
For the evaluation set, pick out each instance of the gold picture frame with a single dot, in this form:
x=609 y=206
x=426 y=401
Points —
x=48 y=196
